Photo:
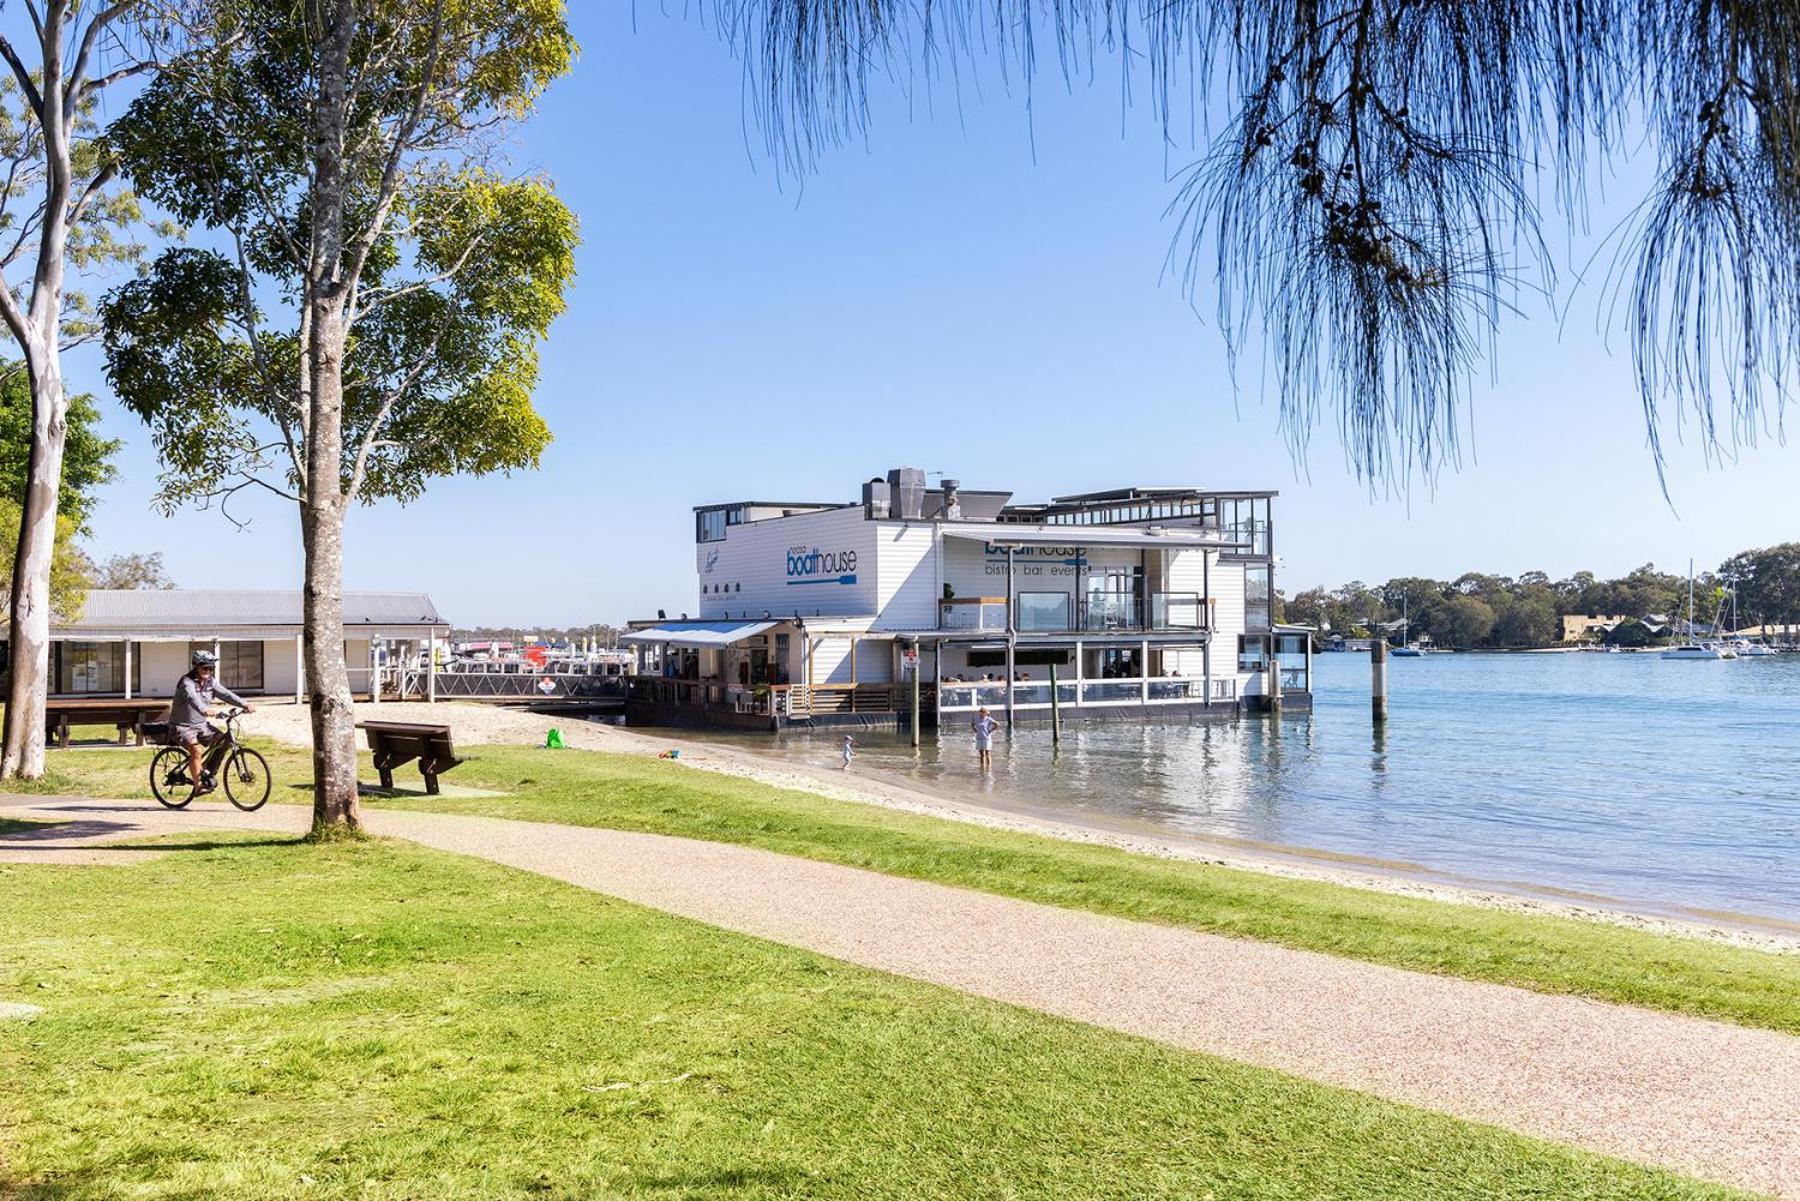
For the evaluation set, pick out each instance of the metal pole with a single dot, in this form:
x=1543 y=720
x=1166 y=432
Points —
x=1378 y=690
x=1055 y=711
x=431 y=668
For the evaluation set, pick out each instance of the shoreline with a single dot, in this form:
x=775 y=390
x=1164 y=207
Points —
x=872 y=786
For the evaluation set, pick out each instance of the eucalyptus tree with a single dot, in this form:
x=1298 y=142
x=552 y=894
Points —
x=1367 y=209
x=58 y=209
x=368 y=313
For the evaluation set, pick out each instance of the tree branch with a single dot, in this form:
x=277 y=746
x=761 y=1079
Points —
x=90 y=36
x=26 y=83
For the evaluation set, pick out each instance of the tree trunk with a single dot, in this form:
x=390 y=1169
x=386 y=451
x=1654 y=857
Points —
x=322 y=533
x=327 y=676
x=28 y=623
x=324 y=499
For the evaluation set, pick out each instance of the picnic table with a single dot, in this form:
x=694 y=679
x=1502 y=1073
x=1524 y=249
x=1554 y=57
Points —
x=129 y=716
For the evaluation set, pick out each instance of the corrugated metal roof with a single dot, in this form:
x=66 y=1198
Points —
x=222 y=608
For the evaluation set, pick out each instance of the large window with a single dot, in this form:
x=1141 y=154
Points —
x=94 y=667
x=1246 y=520
x=240 y=664
x=1044 y=611
x=1256 y=597
x=1253 y=652
x=709 y=525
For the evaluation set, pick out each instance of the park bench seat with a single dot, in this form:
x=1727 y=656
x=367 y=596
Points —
x=396 y=743
x=128 y=716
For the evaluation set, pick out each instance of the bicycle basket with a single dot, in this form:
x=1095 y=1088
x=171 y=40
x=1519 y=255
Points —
x=161 y=733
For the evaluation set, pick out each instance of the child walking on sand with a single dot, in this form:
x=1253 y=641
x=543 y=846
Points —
x=849 y=749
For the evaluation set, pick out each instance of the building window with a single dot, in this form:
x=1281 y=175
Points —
x=1253 y=651
x=709 y=525
x=94 y=667
x=1256 y=597
x=240 y=664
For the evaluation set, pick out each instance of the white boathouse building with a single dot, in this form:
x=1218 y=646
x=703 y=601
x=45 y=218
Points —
x=1143 y=603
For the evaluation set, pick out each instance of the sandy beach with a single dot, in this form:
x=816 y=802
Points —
x=477 y=724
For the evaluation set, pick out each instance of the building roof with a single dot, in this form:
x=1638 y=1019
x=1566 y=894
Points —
x=216 y=609
x=1089 y=535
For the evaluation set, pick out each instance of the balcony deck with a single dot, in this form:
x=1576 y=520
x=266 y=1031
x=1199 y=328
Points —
x=1159 y=613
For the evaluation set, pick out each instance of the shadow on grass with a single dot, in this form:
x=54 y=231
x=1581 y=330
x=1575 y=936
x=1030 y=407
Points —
x=208 y=844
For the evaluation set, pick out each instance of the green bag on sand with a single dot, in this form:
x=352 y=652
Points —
x=553 y=740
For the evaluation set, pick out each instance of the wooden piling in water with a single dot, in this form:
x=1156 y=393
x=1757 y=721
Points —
x=1055 y=711
x=1378 y=684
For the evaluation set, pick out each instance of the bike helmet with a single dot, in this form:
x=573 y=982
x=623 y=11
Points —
x=205 y=659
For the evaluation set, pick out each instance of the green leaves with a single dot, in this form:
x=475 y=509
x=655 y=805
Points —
x=87 y=456
x=446 y=273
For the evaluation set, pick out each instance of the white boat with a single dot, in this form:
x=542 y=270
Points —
x=1691 y=649
x=1406 y=649
x=1747 y=649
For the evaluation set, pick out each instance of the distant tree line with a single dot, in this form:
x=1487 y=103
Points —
x=1480 y=611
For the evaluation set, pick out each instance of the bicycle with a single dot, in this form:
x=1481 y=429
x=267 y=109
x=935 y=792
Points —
x=245 y=775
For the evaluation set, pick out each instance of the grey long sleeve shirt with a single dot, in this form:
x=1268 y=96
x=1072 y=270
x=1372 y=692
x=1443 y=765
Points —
x=194 y=701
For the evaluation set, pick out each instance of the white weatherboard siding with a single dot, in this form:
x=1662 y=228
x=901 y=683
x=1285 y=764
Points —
x=770 y=566
x=1228 y=589
x=1188 y=572
x=278 y=666
x=831 y=659
x=907 y=584
x=161 y=664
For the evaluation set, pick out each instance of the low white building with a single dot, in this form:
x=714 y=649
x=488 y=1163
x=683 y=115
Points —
x=1139 y=599
x=138 y=643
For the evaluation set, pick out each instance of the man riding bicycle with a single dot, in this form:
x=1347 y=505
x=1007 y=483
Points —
x=195 y=695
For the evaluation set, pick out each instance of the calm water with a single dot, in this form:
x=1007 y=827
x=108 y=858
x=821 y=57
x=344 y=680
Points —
x=1665 y=785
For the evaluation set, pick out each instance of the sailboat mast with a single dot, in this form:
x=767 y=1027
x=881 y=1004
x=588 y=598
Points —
x=1690 y=619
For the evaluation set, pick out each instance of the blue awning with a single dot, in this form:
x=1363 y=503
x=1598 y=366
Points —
x=700 y=633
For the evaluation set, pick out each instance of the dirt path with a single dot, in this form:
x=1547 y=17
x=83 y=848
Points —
x=1714 y=1100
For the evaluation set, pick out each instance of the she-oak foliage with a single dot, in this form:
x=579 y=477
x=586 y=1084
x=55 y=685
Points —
x=1367 y=210
x=366 y=314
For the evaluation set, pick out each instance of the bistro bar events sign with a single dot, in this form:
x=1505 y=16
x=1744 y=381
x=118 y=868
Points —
x=1036 y=560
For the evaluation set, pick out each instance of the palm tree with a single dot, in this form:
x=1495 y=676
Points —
x=1366 y=214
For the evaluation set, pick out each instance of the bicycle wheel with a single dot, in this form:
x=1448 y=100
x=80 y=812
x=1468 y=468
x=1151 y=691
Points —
x=247 y=779
x=168 y=778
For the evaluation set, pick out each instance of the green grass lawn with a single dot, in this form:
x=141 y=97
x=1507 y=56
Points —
x=253 y=1018
x=635 y=793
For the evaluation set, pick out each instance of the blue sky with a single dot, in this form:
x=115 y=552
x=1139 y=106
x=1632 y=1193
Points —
x=977 y=290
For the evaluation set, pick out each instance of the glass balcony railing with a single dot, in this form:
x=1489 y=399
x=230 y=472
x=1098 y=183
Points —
x=973 y=613
x=1055 y=612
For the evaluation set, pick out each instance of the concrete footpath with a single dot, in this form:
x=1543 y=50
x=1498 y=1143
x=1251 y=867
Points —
x=1707 y=1098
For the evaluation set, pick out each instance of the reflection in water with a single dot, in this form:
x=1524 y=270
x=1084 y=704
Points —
x=1662 y=783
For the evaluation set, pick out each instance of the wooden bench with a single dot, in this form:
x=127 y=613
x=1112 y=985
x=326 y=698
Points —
x=128 y=716
x=397 y=743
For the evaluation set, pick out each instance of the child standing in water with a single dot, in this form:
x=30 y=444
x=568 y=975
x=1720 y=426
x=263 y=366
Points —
x=849 y=749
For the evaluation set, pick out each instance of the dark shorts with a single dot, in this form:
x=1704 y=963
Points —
x=189 y=735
